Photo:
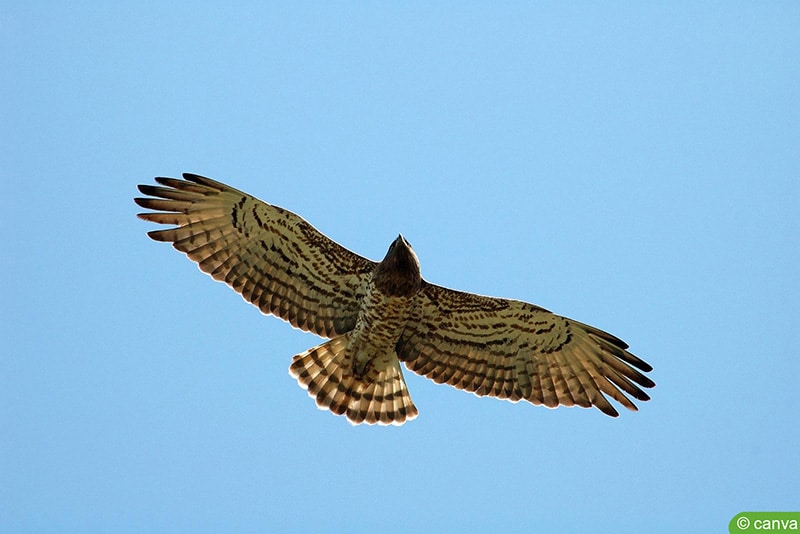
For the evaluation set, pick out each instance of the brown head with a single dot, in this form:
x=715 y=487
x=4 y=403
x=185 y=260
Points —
x=398 y=273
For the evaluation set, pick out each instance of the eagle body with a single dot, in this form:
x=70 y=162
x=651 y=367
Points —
x=379 y=314
x=361 y=377
x=386 y=307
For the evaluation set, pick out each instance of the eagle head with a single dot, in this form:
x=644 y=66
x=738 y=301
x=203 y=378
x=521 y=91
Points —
x=398 y=273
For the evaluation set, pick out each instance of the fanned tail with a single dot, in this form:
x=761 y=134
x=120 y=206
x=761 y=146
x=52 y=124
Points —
x=380 y=396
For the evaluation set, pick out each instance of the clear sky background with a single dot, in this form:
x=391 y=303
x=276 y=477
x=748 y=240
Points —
x=635 y=166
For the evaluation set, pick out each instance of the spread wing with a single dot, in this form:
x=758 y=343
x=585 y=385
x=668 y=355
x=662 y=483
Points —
x=272 y=257
x=514 y=350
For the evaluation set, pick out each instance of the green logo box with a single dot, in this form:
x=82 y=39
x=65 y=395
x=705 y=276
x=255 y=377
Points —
x=757 y=522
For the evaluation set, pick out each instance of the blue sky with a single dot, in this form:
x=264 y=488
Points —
x=634 y=166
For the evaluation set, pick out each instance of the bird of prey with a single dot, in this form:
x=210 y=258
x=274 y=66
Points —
x=378 y=314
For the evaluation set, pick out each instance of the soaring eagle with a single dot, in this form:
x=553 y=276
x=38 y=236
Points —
x=378 y=314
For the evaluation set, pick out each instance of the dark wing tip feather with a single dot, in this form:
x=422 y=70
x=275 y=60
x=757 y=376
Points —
x=164 y=180
x=158 y=235
x=622 y=352
x=646 y=382
x=153 y=216
x=634 y=361
x=639 y=364
x=605 y=336
x=144 y=216
x=208 y=182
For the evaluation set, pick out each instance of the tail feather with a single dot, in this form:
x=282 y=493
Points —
x=378 y=397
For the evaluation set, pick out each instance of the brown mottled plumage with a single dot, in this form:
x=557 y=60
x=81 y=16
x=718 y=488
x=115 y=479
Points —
x=379 y=314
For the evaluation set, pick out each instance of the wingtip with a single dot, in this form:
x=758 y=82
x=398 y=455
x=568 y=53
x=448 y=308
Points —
x=610 y=410
x=157 y=235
